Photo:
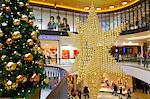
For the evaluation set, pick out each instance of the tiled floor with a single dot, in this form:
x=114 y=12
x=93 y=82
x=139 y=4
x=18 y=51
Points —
x=138 y=94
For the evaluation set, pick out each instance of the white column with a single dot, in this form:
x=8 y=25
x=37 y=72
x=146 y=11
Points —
x=142 y=50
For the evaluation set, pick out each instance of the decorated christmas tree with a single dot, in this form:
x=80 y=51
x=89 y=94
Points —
x=21 y=59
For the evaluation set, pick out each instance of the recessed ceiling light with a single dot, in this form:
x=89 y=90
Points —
x=111 y=7
x=98 y=8
x=86 y=8
x=124 y=3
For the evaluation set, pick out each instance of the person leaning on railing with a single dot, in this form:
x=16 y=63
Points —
x=146 y=59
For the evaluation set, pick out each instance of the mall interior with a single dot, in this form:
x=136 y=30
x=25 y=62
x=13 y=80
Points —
x=91 y=49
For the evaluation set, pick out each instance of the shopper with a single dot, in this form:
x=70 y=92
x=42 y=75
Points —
x=79 y=94
x=139 y=58
x=73 y=93
x=129 y=93
x=146 y=59
x=146 y=88
x=121 y=89
x=115 y=90
x=86 y=92
x=120 y=58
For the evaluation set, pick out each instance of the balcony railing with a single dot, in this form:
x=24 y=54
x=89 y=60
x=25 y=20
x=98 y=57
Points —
x=136 y=18
x=57 y=88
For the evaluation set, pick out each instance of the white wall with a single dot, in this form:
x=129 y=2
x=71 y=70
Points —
x=136 y=72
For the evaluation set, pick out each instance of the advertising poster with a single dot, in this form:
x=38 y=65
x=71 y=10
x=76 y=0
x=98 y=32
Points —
x=65 y=54
x=75 y=53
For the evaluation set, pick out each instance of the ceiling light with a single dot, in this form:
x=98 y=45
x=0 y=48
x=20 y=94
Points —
x=98 y=8
x=139 y=38
x=124 y=3
x=111 y=7
x=86 y=8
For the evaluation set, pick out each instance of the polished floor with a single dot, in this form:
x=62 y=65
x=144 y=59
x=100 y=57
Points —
x=110 y=96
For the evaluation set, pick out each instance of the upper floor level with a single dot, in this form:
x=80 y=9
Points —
x=136 y=18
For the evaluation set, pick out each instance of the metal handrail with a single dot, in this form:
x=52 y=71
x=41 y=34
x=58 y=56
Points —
x=57 y=89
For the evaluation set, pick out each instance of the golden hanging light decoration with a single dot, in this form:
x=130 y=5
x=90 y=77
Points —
x=94 y=58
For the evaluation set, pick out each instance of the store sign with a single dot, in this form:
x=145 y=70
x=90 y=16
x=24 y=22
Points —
x=48 y=37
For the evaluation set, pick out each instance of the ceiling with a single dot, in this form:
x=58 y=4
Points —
x=83 y=5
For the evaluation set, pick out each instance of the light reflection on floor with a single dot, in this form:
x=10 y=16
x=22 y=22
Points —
x=110 y=96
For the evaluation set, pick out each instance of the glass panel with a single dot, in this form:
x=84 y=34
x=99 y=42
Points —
x=70 y=20
x=76 y=15
x=45 y=18
x=37 y=14
x=139 y=15
x=111 y=21
x=143 y=15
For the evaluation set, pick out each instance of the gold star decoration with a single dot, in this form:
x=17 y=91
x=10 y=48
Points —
x=94 y=58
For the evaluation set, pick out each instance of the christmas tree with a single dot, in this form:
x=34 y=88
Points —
x=21 y=59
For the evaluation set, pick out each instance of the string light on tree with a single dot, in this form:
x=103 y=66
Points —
x=21 y=59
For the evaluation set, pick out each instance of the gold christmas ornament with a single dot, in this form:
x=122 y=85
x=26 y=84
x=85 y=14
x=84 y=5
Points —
x=24 y=18
x=3 y=6
x=40 y=63
x=24 y=80
x=4 y=57
x=16 y=22
x=37 y=41
x=19 y=79
x=16 y=35
x=30 y=22
x=19 y=13
x=9 y=41
x=35 y=49
x=27 y=5
x=34 y=35
x=46 y=80
x=1 y=46
x=30 y=42
x=16 y=53
x=4 y=24
x=1 y=33
x=30 y=14
x=21 y=4
x=9 y=85
x=35 y=78
x=7 y=9
x=7 y=1
x=11 y=66
x=28 y=57
x=19 y=63
x=39 y=50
